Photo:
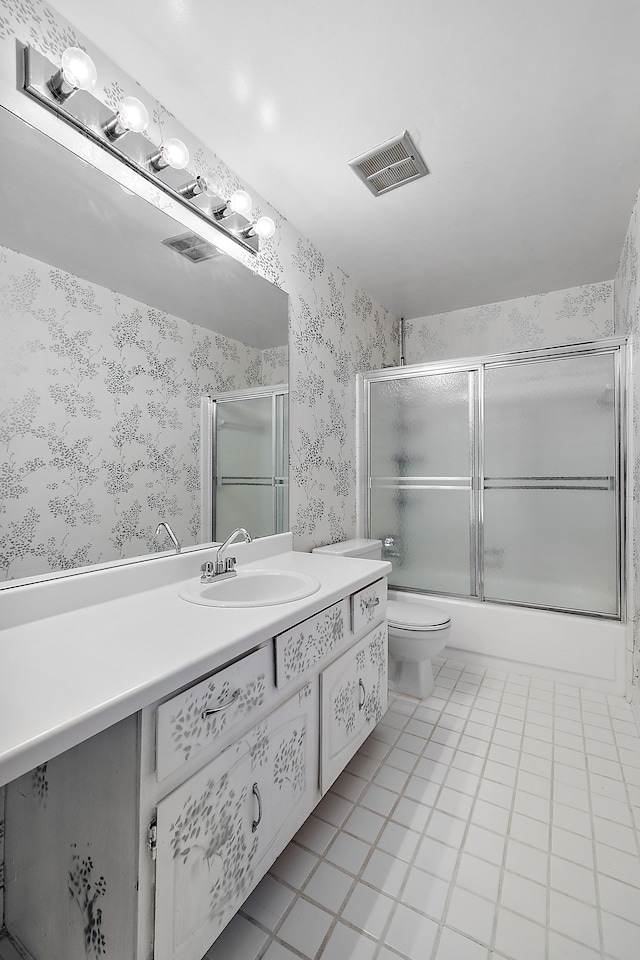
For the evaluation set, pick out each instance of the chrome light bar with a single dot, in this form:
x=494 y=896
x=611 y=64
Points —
x=73 y=102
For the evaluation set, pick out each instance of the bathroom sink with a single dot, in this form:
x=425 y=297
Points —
x=251 y=588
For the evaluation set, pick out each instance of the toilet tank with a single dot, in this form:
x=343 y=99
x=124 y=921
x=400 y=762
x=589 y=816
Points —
x=364 y=549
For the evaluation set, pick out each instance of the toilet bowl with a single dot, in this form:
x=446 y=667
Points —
x=417 y=631
x=417 y=634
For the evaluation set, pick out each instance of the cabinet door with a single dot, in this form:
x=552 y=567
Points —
x=217 y=832
x=353 y=698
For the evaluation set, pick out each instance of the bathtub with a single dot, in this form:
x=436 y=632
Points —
x=581 y=651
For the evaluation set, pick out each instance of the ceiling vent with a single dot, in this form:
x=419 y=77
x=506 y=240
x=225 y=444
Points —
x=390 y=165
x=193 y=247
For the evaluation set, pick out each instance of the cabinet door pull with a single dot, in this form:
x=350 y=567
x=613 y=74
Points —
x=223 y=706
x=364 y=695
x=370 y=604
x=256 y=793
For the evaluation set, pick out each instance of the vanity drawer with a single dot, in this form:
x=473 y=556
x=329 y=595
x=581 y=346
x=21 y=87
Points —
x=368 y=606
x=212 y=712
x=298 y=649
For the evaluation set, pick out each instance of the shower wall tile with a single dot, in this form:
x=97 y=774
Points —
x=627 y=323
x=336 y=329
x=562 y=316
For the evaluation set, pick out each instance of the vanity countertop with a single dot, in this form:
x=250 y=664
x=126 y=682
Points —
x=72 y=673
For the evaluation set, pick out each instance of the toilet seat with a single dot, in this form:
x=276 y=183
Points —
x=416 y=616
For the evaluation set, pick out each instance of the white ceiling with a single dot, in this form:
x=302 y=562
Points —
x=527 y=114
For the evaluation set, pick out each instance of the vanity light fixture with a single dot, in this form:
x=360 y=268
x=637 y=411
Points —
x=52 y=87
x=239 y=202
x=173 y=153
x=77 y=72
x=131 y=117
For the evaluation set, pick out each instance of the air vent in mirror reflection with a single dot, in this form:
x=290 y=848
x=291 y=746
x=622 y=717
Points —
x=193 y=247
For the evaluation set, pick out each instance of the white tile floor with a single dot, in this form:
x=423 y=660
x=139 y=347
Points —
x=499 y=818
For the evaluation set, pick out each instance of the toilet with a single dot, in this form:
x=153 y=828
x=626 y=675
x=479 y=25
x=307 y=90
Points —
x=417 y=632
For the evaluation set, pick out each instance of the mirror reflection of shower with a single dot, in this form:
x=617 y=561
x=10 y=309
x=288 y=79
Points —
x=244 y=466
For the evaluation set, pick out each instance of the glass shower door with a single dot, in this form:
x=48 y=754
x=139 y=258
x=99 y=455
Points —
x=250 y=454
x=550 y=525
x=421 y=490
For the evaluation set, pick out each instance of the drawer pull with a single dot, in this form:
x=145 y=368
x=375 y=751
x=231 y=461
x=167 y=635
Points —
x=364 y=695
x=370 y=604
x=223 y=706
x=256 y=823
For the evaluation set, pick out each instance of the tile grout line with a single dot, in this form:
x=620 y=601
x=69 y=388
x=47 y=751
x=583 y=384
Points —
x=505 y=852
x=594 y=851
x=299 y=892
x=381 y=942
x=467 y=826
x=558 y=709
x=550 y=831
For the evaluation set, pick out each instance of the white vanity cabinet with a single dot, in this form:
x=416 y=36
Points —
x=353 y=699
x=219 y=832
x=143 y=841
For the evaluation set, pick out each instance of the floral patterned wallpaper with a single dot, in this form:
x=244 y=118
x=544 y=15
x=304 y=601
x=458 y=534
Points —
x=548 y=319
x=336 y=332
x=100 y=418
x=627 y=323
x=336 y=329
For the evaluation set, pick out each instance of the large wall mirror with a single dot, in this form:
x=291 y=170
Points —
x=111 y=338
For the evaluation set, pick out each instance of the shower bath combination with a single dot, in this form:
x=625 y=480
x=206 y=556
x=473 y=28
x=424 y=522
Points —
x=501 y=479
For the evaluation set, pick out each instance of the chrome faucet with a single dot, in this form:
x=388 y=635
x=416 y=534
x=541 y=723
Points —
x=170 y=533
x=219 y=567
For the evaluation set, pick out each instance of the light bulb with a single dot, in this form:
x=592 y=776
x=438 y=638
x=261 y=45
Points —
x=212 y=188
x=172 y=153
x=264 y=227
x=132 y=116
x=77 y=72
x=78 y=69
x=175 y=153
x=240 y=202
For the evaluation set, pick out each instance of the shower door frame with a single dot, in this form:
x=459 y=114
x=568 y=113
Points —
x=209 y=408
x=616 y=346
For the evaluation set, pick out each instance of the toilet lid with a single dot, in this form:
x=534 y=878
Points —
x=415 y=616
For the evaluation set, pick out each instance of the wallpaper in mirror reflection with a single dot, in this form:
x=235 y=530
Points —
x=100 y=391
